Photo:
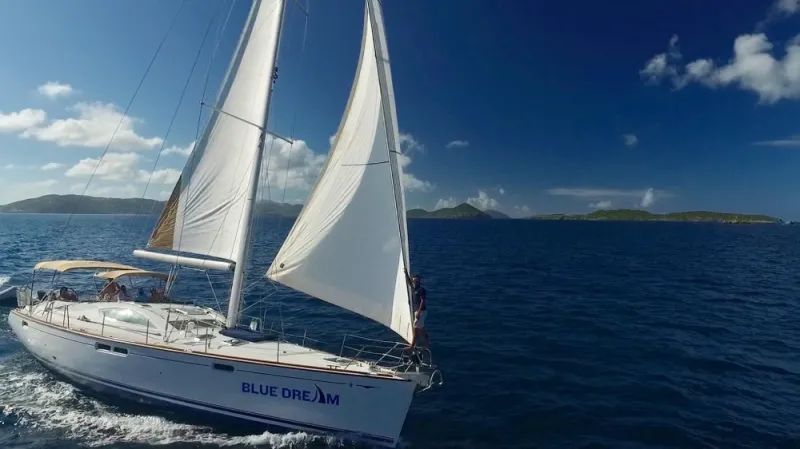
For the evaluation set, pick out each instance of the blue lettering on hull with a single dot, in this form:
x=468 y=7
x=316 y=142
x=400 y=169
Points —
x=292 y=394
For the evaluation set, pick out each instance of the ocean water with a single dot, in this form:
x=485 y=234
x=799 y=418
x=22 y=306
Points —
x=550 y=335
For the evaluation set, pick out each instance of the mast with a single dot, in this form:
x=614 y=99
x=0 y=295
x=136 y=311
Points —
x=234 y=304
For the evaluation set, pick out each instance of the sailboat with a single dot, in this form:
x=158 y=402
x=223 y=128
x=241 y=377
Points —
x=349 y=247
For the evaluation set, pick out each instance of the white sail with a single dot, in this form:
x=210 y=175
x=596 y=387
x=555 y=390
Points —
x=207 y=211
x=349 y=246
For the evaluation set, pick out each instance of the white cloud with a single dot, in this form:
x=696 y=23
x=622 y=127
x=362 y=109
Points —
x=753 y=68
x=29 y=189
x=605 y=193
x=648 y=198
x=501 y=190
x=411 y=183
x=442 y=203
x=408 y=144
x=522 y=211
x=661 y=65
x=9 y=166
x=780 y=9
x=483 y=201
x=592 y=192
x=457 y=144
x=787 y=7
x=93 y=128
x=112 y=190
x=51 y=166
x=21 y=120
x=791 y=142
x=630 y=140
x=113 y=167
x=295 y=165
x=178 y=151
x=603 y=204
x=162 y=176
x=55 y=89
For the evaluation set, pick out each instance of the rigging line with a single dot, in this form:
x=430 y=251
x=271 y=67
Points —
x=125 y=112
x=220 y=32
x=292 y=139
x=288 y=162
x=180 y=99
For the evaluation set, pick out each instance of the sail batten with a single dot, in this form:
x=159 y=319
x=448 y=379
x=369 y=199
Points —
x=349 y=245
x=207 y=212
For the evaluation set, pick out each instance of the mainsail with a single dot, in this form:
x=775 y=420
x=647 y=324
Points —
x=207 y=213
x=349 y=245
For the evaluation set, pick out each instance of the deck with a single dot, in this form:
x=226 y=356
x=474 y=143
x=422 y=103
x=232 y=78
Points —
x=189 y=328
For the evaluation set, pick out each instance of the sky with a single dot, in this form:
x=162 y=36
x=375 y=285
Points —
x=524 y=107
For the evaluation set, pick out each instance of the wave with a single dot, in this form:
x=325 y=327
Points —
x=4 y=279
x=34 y=401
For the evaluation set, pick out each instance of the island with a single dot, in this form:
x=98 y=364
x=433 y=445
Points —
x=83 y=204
x=643 y=215
x=463 y=211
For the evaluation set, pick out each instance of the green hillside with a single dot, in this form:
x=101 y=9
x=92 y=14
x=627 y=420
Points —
x=643 y=215
x=79 y=204
x=461 y=212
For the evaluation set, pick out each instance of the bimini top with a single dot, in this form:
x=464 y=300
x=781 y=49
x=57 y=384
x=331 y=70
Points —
x=69 y=265
x=116 y=274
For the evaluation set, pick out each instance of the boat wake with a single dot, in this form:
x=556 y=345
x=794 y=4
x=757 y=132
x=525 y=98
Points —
x=4 y=279
x=38 y=404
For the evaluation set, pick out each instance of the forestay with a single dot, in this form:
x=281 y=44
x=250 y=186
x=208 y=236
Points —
x=205 y=213
x=348 y=246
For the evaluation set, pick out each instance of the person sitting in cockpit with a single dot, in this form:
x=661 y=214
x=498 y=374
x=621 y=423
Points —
x=66 y=294
x=109 y=292
x=157 y=295
x=123 y=294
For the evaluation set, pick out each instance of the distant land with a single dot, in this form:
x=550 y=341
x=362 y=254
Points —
x=78 y=204
x=461 y=212
x=643 y=215
x=496 y=214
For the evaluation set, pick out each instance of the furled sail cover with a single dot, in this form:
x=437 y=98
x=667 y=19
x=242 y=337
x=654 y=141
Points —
x=348 y=246
x=204 y=213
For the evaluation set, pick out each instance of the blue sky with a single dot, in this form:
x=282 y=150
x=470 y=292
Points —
x=525 y=107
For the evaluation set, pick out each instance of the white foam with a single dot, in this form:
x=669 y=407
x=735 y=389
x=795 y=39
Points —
x=32 y=399
x=4 y=279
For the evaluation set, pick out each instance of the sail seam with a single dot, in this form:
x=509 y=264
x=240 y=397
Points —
x=365 y=164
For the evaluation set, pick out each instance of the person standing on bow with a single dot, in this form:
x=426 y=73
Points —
x=419 y=306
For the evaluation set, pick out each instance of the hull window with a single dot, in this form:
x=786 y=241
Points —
x=223 y=367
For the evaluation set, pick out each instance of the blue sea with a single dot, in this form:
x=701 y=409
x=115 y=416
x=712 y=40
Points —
x=549 y=334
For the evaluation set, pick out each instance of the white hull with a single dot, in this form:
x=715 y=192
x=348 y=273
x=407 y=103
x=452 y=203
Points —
x=310 y=399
